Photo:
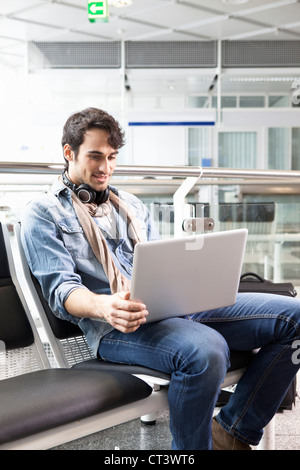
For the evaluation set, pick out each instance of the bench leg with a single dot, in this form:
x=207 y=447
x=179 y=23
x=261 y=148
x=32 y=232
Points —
x=149 y=419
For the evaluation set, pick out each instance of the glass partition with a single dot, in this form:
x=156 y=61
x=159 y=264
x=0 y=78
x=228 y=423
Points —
x=273 y=246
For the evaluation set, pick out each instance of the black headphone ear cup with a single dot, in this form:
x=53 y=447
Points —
x=102 y=196
x=86 y=194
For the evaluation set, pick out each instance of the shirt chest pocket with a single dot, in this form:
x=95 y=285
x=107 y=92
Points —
x=74 y=239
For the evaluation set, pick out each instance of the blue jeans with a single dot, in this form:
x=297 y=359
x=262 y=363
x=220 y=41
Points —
x=195 y=351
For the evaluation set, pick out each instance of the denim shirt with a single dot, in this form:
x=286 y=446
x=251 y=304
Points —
x=62 y=260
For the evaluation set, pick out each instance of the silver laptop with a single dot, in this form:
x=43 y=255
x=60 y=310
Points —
x=177 y=277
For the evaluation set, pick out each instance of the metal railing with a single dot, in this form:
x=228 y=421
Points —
x=175 y=171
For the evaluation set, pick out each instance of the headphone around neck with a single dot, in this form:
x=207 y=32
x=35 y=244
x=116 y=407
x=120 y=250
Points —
x=86 y=193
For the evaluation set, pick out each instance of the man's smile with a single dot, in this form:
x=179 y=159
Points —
x=101 y=178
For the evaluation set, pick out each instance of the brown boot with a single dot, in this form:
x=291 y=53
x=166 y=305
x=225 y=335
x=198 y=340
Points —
x=222 y=440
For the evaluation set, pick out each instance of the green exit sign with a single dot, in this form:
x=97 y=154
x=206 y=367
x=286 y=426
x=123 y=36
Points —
x=98 y=11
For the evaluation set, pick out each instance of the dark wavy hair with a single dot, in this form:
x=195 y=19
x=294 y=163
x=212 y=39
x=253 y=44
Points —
x=90 y=118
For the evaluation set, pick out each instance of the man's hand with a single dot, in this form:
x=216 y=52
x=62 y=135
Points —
x=124 y=314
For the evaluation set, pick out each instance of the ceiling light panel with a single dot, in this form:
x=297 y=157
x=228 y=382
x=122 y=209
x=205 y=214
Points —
x=111 y=29
x=224 y=28
x=280 y=16
x=220 y=6
x=10 y=6
x=119 y=3
x=54 y=14
x=177 y=16
x=24 y=31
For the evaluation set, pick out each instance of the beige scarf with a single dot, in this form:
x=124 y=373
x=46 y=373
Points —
x=85 y=213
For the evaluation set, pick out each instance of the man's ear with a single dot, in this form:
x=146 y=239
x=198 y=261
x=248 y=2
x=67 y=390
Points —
x=68 y=153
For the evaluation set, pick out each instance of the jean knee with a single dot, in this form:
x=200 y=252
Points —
x=218 y=357
x=210 y=353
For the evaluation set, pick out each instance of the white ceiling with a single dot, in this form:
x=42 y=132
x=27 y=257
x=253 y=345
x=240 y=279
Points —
x=156 y=20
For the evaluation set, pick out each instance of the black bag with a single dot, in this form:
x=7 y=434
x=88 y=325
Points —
x=290 y=397
x=252 y=282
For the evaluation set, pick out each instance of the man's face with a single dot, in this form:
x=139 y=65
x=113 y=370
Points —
x=95 y=162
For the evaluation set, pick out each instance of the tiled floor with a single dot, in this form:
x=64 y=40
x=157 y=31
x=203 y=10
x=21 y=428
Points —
x=137 y=436
x=287 y=426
